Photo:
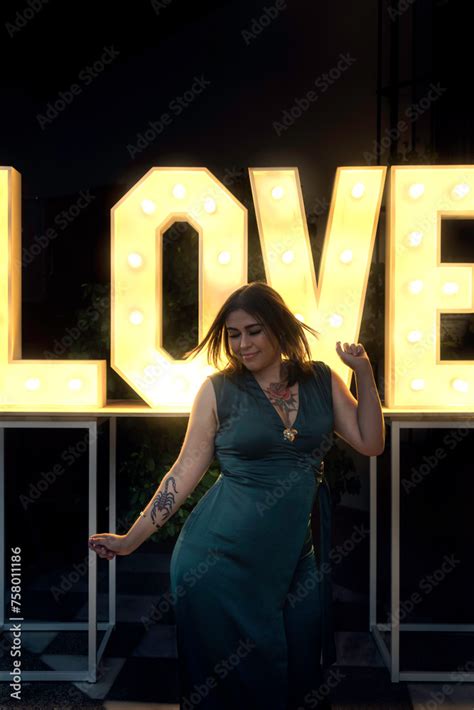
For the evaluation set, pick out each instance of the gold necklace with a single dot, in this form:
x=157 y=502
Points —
x=289 y=434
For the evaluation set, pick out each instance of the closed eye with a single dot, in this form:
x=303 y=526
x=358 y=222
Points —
x=255 y=333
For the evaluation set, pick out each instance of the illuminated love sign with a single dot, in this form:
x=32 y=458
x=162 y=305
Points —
x=419 y=287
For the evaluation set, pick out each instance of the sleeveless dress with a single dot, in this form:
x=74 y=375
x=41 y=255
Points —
x=251 y=596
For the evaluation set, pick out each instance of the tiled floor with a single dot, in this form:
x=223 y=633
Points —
x=139 y=665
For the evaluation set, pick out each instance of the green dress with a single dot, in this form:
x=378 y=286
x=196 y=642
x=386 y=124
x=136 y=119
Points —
x=253 y=607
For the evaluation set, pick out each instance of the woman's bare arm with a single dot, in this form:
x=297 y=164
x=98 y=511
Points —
x=196 y=455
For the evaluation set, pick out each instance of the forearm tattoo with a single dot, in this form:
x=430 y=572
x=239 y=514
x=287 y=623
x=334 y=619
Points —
x=164 y=501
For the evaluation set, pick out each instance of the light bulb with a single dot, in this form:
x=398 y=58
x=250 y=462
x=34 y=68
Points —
x=460 y=190
x=135 y=260
x=416 y=190
x=346 y=256
x=32 y=383
x=414 y=336
x=148 y=206
x=450 y=287
x=179 y=191
x=278 y=192
x=75 y=384
x=414 y=238
x=136 y=317
x=358 y=190
x=417 y=384
x=223 y=257
x=460 y=385
x=210 y=205
x=287 y=257
x=416 y=286
x=336 y=320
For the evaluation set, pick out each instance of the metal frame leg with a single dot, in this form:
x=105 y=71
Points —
x=392 y=658
x=91 y=625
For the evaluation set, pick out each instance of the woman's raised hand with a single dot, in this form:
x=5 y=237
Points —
x=107 y=545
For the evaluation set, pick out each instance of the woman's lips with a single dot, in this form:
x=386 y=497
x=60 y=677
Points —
x=249 y=356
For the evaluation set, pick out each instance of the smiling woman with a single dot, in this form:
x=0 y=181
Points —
x=252 y=590
x=269 y=416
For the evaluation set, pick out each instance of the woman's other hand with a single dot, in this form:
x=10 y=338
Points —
x=353 y=355
x=107 y=545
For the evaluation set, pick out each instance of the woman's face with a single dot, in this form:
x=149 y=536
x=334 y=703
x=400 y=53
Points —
x=247 y=334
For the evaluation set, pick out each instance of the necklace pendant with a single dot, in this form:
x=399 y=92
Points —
x=289 y=433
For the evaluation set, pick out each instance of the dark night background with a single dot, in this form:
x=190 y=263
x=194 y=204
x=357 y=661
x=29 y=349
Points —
x=158 y=50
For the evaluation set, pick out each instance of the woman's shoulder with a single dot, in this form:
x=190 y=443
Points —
x=320 y=365
x=321 y=370
x=219 y=378
x=219 y=375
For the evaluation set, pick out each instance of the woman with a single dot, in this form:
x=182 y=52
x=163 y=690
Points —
x=251 y=595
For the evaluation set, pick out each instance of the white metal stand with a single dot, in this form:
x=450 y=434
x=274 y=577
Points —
x=392 y=657
x=94 y=656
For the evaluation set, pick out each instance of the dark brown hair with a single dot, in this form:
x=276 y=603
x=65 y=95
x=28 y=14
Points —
x=266 y=304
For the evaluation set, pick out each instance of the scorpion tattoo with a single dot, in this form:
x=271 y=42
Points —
x=164 y=500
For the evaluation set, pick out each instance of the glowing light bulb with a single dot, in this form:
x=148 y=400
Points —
x=210 y=205
x=358 y=190
x=75 y=384
x=32 y=383
x=336 y=320
x=417 y=384
x=416 y=190
x=460 y=385
x=460 y=190
x=278 y=192
x=135 y=260
x=416 y=286
x=148 y=206
x=136 y=317
x=300 y=317
x=414 y=336
x=450 y=287
x=179 y=191
x=287 y=257
x=346 y=256
x=414 y=238
x=223 y=257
